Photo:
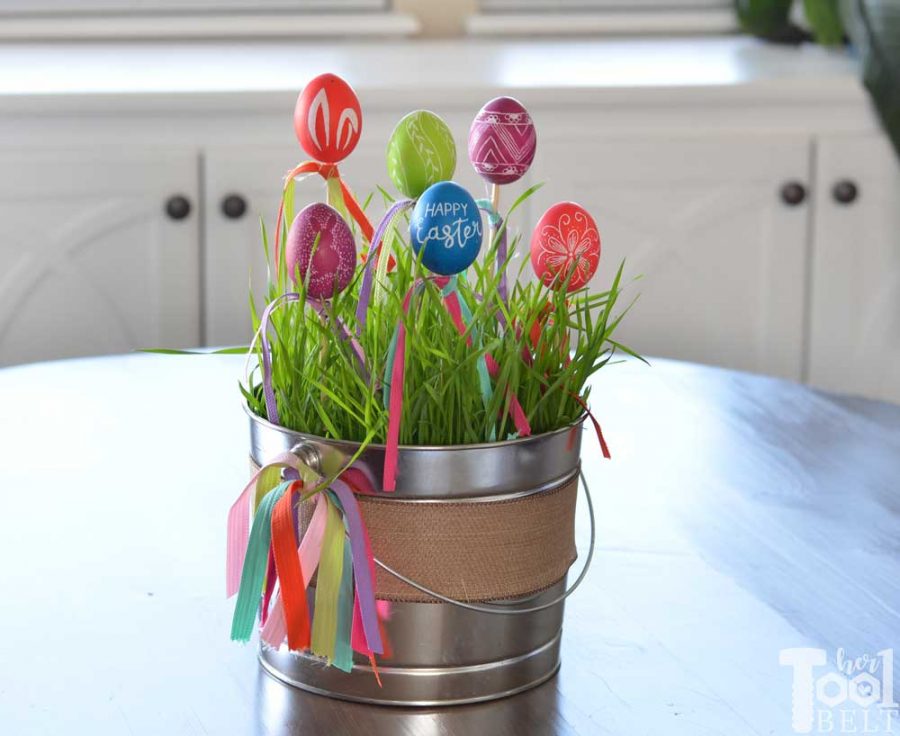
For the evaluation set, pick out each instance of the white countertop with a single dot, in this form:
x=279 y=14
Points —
x=389 y=71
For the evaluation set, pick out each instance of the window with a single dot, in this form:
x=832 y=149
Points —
x=550 y=17
x=191 y=19
x=648 y=6
x=148 y=7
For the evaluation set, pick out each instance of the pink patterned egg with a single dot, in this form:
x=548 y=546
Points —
x=331 y=266
x=565 y=241
x=502 y=141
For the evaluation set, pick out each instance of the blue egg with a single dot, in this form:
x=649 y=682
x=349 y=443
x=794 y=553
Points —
x=447 y=224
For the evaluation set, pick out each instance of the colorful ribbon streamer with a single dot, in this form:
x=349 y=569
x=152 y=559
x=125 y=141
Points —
x=396 y=369
x=395 y=366
x=346 y=614
x=331 y=563
x=363 y=566
x=289 y=571
x=496 y=222
x=599 y=432
x=365 y=291
x=254 y=568
x=263 y=333
x=343 y=651
x=455 y=303
x=326 y=171
x=274 y=630
x=239 y=522
x=462 y=317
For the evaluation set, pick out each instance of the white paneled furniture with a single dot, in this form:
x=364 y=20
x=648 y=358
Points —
x=719 y=255
x=719 y=169
x=91 y=261
x=855 y=295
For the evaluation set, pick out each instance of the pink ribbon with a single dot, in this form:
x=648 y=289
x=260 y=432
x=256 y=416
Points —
x=451 y=302
x=274 y=630
x=239 y=525
x=395 y=405
x=363 y=568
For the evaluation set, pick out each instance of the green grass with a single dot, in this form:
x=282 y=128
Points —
x=320 y=389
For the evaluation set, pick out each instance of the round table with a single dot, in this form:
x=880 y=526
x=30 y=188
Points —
x=739 y=516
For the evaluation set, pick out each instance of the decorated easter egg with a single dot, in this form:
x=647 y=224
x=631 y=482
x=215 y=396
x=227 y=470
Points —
x=446 y=225
x=327 y=119
x=320 y=246
x=502 y=141
x=565 y=241
x=420 y=152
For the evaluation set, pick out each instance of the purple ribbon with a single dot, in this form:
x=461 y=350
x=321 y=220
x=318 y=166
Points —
x=365 y=592
x=268 y=390
x=344 y=333
x=365 y=291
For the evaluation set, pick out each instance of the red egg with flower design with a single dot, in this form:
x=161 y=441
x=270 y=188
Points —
x=565 y=243
x=328 y=119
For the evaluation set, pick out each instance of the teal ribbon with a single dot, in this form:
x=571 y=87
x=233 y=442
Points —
x=389 y=368
x=256 y=561
x=493 y=216
x=484 y=377
x=343 y=653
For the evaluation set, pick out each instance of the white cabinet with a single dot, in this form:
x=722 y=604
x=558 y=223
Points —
x=91 y=263
x=855 y=307
x=233 y=250
x=721 y=256
x=731 y=273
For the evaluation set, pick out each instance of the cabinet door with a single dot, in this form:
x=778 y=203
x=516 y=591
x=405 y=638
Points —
x=855 y=323
x=91 y=262
x=721 y=256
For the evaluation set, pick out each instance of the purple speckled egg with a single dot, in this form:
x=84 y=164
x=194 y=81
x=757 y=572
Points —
x=502 y=141
x=334 y=258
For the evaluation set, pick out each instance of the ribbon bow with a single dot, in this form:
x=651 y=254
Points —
x=329 y=172
x=336 y=542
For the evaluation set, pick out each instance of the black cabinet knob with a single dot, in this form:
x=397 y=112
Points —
x=845 y=191
x=234 y=206
x=178 y=207
x=793 y=193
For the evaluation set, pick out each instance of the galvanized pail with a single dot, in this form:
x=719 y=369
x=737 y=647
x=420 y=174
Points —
x=473 y=550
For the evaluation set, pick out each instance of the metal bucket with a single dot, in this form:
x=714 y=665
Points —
x=444 y=653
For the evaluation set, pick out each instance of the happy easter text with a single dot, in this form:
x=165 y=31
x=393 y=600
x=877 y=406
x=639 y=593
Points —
x=457 y=232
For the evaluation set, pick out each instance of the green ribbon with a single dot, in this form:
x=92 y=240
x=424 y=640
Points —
x=328 y=584
x=256 y=561
x=343 y=653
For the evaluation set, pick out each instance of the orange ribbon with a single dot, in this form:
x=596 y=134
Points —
x=290 y=574
x=326 y=171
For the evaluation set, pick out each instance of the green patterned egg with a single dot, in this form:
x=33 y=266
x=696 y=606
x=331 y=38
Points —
x=421 y=152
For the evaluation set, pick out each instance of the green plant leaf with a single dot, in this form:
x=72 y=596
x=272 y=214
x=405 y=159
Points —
x=874 y=27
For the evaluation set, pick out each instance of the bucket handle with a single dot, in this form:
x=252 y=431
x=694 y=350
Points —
x=503 y=609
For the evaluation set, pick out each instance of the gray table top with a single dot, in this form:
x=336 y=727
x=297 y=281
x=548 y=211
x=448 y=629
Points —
x=739 y=516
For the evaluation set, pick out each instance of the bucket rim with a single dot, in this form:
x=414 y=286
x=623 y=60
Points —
x=254 y=417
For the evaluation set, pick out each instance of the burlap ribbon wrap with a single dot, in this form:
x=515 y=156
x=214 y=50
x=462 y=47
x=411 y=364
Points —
x=469 y=549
